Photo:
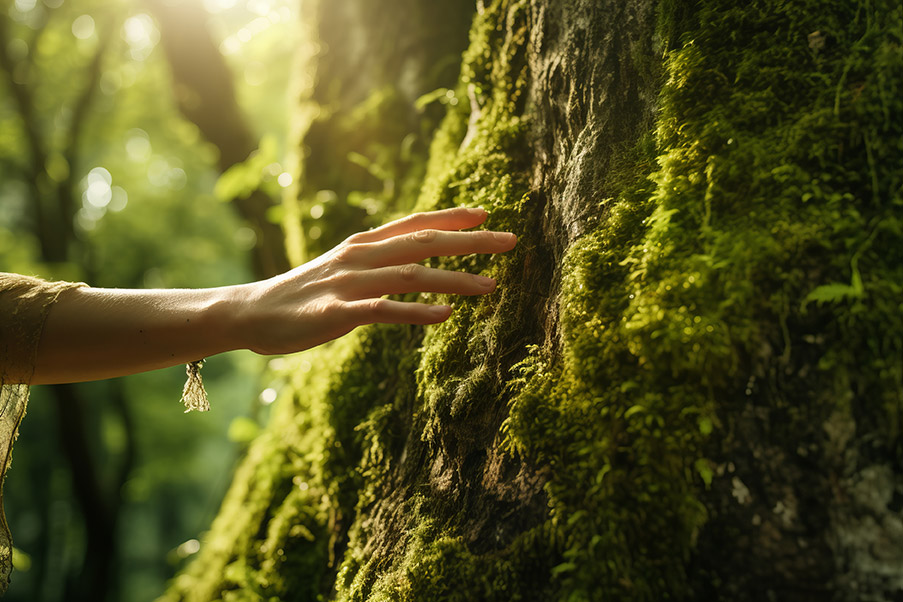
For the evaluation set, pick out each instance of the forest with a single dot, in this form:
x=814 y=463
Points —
x=688 y=384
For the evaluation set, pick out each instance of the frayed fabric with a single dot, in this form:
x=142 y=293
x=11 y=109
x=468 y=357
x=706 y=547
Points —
x=194 y=397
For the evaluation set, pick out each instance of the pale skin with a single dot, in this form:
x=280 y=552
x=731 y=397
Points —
x=96 y=333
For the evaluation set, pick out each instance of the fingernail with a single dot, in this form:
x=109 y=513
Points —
x=477 y=211
x=483 y=280
x=505 y=237
x=439 y=310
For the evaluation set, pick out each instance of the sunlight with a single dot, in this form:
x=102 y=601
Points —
x=244 y=20
x=141 y=34
x=263 y=8
x=83 y=27
x=218 y=6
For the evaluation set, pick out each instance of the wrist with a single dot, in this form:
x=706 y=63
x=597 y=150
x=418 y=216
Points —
x=230 y=310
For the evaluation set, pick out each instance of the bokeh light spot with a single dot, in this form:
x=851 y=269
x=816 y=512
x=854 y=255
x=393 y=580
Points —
x=83 y=27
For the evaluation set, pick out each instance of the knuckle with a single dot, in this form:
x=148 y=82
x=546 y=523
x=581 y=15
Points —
x=356 y=238
x=325 y=307
x=410 y=271
x=424 y=235
x=376 y=307
x=347 y=253
x=413 y=219
x=338 y=278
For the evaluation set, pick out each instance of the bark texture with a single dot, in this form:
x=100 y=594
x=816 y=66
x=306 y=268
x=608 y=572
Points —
x=689 y=383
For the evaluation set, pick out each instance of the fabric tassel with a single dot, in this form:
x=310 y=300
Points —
x=193 y=395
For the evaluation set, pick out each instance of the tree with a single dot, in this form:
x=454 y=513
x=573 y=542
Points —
x=690 y=382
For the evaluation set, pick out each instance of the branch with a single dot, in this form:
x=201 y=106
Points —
x=23 y=98
x=51 y=249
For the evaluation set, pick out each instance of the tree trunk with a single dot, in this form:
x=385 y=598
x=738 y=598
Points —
x=689 y=384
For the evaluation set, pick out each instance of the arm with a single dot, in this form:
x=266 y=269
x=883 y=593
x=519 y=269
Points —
x=101 y=333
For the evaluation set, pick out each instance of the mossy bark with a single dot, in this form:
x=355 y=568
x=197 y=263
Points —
x=689 y=384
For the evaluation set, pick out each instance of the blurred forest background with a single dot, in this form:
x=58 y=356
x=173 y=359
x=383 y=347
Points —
x=111 y=151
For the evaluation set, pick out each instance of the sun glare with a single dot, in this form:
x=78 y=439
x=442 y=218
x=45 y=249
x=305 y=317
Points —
x=263 y=8
x=258 y=15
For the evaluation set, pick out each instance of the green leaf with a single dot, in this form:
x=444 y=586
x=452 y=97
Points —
x=564 y=567
x=832 y=293
x=430 y=97
x=835 y=292
x=21 y=560
x=634 y=410
x=243 y=178
x=704 y=468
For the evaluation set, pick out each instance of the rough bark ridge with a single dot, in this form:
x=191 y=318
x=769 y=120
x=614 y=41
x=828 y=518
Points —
x=689 y=384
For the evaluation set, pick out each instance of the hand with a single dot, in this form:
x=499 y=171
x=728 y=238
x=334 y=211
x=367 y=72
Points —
x=343 y=289
x=94 y=333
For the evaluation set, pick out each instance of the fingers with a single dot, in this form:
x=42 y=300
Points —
x=423 y=244
x=459 y=218
x=387 y=311
x=386 y=260
x=413 y=278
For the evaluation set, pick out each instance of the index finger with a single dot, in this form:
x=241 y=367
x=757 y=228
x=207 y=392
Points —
x=457 y=218
x=423 y=244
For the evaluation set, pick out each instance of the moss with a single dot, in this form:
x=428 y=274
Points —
x=477 y=158
x=681 y=297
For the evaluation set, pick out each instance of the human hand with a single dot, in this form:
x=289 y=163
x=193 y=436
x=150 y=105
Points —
x=342 y=289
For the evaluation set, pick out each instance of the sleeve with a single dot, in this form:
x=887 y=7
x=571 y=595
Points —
x=24 y=304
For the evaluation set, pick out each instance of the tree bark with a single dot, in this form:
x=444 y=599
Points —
x=688 y=384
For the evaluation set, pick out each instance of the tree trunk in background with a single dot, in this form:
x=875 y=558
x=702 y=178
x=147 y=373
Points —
x=689 y=383
x=205 y=93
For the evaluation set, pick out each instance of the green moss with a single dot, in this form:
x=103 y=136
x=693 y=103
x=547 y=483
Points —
x=477 y=159
x=438 y=566
x=682 y=296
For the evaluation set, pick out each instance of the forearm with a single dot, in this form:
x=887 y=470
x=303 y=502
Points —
x=95 y=333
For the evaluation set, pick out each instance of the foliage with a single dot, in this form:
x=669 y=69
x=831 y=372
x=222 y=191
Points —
x=154 y=223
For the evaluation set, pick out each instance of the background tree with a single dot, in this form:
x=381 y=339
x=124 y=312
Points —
x=205 y=91
x=688 y=384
